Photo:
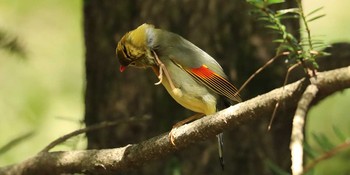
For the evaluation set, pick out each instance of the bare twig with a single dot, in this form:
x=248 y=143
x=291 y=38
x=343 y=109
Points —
x=87 y=129
x=288 y=72
x=273 y=115
x=278 y=101
x=15 y=142
x=257 y=72
x=110 y=161
x=297 y=137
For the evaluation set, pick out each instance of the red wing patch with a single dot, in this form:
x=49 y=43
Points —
x=203 y=72
x=215 y=82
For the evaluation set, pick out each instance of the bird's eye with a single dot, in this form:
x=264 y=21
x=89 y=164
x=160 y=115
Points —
x=132 y=63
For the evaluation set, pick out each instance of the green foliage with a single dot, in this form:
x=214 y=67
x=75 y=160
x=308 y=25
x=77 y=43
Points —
x=327 y=148
x=264 y=3
x=323 y=142
x=297 y=50
x=49 y=82
x=326 y=143
x=340 y=135
x=303 y=51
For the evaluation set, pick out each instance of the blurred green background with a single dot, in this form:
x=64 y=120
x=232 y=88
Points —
x=44 y=92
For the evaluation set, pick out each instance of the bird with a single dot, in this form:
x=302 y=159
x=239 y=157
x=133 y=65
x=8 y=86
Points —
x=192 y=77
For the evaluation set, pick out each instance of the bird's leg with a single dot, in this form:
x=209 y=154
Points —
x=162 y=69
x=160 y=76
x=182 y=122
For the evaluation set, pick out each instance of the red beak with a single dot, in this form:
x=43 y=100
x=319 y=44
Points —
x=122 y=68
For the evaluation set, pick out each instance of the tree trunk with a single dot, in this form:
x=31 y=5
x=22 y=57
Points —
x=226 y=31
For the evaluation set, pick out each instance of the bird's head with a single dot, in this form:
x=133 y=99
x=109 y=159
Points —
x=134 y=48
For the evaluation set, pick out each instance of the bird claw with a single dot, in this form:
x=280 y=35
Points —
x=171 y=136
x=159 y=82
x=160 y=77
x=162 y=69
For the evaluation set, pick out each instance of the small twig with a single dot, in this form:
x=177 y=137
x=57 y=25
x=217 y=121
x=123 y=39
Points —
x=288 y=72
x=257 y=72
x=327 y=155
x=273 y=115
x=297 y=137
x=87 y=129
x=15 y=142
x=278 y=101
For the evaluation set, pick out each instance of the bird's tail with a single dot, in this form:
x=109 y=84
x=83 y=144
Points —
x=221 y=149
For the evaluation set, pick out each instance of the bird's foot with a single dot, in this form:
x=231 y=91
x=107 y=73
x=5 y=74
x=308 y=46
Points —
x=162 y=69
x=160 y=76
x=180 y=123
x=171 y=136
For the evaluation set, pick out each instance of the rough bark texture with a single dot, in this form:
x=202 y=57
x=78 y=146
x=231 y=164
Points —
x=126 y=159
x=226 y=31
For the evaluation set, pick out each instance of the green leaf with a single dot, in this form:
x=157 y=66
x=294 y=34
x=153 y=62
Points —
x=314 y=43
x=309 y=151
x=288 y=17
x=264 y=3
x=314 y=11
x=317 y=17
x=323 y=141
x=286 y=47
x=341 y=136
x=285 y=11
x=255 y=1
x=325 y=53
x=263 y=18
x=314 y=63
x=274 y=27
x=278 y=41
x=314 y=40
x=318 y=43
x=269 y=2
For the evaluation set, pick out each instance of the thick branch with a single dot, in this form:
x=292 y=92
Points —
x=113 y=160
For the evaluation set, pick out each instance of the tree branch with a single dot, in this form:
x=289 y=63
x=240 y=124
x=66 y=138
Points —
x=107 y=161
x=297 y=137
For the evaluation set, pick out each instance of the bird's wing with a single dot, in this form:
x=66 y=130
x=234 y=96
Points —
x=213 y=81
x=194 y=61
